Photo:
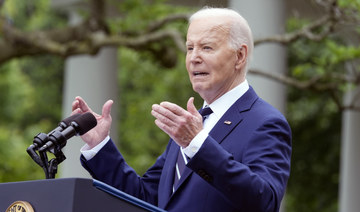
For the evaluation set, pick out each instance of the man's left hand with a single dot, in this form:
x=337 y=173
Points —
x=180 y=124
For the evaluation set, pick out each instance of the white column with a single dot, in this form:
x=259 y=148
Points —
x=95 y=79
x=350 y=159
x=266 y=18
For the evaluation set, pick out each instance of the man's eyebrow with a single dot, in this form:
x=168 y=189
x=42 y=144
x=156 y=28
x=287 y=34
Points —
x=202 y=43
x=206 y=43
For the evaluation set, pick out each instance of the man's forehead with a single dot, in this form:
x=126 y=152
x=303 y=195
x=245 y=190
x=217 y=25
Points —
x=211 y=22
x=203 y=40
x=207 y=34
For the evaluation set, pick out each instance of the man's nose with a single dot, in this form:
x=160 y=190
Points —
x=195 y=56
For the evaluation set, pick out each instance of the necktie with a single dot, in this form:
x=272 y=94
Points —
x=205 y=111
x=181 y=159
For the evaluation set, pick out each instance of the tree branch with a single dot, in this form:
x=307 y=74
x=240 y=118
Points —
x=1 y=3
x=325 y=24
x=75 y=40
x=136 y=42
x=169 y=19
x=312 y=84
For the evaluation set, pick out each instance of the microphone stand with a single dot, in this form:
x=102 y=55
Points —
x=41 y=158
x=54 y=162
x=54 y=141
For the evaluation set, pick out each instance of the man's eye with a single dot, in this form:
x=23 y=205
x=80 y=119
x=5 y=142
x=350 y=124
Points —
x=207 y=47
x=190 y=48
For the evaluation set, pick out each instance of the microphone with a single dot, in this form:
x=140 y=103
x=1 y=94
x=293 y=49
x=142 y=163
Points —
x=41 y=138
x=65 y=123
x=78 y=126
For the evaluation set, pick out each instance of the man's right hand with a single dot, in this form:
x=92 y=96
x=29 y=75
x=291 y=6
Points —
x=102 y=129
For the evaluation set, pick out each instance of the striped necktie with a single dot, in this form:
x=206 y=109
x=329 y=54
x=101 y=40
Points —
x=182 y=159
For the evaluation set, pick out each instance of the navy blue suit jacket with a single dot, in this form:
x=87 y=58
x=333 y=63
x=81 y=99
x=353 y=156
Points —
x=242 y=166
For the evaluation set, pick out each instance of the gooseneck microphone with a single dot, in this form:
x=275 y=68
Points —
x=78 y=126
x=55 y=140
x=41 y=138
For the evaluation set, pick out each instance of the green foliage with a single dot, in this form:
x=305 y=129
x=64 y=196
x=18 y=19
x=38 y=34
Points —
x=136 y=15
x=316 y=126
x=30 y=102
x=351 y=4
x=32 y=15
x=30 y=98
x=316 y=119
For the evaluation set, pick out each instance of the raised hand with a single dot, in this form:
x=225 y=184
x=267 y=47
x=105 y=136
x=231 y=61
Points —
x=180 y=124
x=102 y=129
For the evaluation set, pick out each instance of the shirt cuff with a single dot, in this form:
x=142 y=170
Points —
x=90 y=153
x=195 y=144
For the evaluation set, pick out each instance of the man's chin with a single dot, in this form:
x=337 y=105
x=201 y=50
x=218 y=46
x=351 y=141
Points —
x=200 y=89
x=197 y=88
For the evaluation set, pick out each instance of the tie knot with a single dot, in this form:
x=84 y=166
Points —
x=205 y=111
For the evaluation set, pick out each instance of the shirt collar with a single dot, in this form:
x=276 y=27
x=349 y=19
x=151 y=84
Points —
x=222 y=104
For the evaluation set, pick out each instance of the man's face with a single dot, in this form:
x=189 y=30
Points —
x=210 y=62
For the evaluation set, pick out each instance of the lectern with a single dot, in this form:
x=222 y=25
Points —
x=70 y=195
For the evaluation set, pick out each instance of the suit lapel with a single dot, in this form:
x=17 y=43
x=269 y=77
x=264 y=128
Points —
x=168 y=175
x=233 y=116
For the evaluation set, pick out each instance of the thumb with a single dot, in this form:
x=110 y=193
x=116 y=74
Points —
x=191 y=107
x=107 y=108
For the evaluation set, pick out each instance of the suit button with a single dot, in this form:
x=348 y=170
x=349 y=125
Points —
x=204 y=175
x=201 y=173
x=208 y=178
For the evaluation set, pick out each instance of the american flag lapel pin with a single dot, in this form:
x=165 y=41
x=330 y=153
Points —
x=227 y=122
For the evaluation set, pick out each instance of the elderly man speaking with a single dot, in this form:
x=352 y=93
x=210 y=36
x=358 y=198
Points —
x=232 y=155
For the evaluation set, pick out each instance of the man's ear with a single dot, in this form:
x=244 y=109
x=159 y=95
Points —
x=241 y=54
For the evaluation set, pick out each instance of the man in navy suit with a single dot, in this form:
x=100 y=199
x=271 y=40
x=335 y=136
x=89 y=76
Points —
x=236 y=158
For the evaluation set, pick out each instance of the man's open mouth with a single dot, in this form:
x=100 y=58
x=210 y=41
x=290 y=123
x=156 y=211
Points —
x=198 y=73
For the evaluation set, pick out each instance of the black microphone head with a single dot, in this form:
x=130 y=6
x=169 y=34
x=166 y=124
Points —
x=67 y=121
x=84 y=123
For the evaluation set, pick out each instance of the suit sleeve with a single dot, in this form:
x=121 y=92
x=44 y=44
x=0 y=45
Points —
x=109 y=166
x=250 y=171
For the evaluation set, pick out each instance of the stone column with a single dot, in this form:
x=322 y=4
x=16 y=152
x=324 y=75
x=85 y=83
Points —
x=350 y=159
x=266 y=18
x=95 y=79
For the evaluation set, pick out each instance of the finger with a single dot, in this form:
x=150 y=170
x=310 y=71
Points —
x=163 y=127
x=161 y=121
x=191 y=107
x=164 y=112
x=75 y=105
x=78 y=110
x=172 y=113
x=83 y=105
x=162 y=115
x=106 y=110
x=174 y=108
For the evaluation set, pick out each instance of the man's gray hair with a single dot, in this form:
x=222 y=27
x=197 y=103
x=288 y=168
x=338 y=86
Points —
x=240 y=32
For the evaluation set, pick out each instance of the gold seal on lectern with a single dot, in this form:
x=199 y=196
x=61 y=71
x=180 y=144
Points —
x=18 y=206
